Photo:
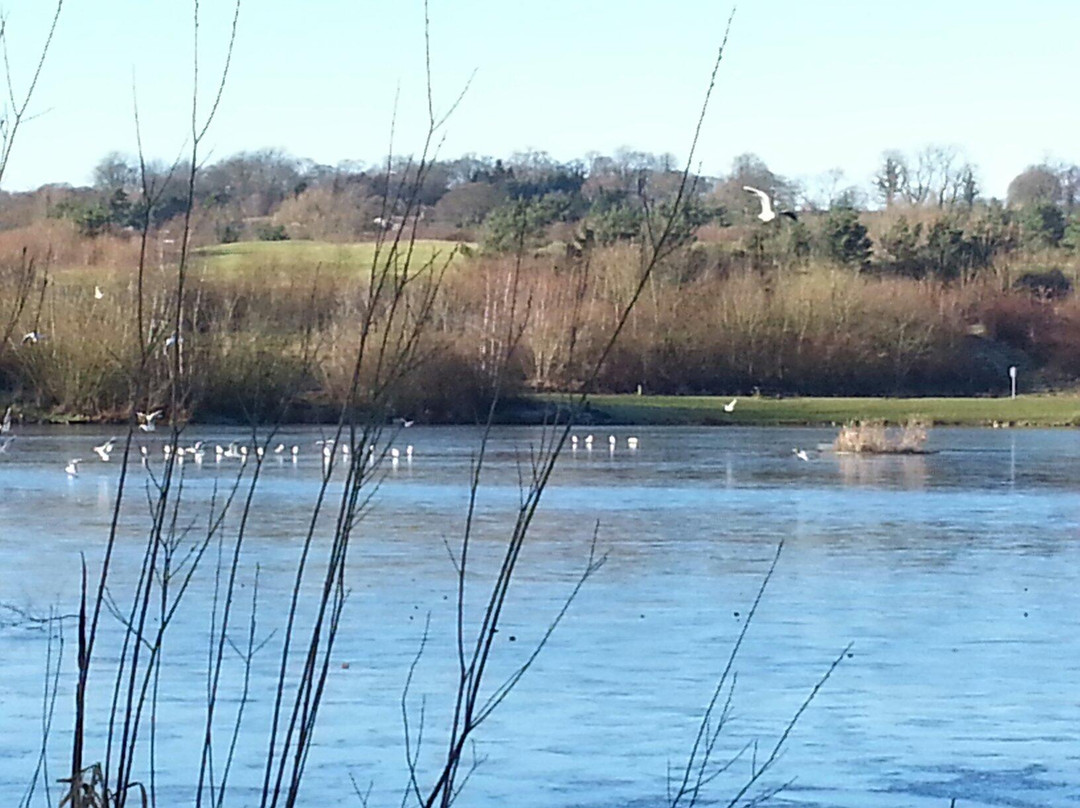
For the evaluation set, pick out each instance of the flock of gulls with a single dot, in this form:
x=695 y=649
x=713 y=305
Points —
x=198 y=452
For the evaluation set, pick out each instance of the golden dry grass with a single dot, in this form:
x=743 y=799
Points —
x=874 y=437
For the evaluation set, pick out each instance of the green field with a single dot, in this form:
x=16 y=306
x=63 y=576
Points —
x=1062 y=409
x=247 y=258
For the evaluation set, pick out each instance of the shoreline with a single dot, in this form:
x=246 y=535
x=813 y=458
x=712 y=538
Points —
x=1045 y=410
x=1032 y=410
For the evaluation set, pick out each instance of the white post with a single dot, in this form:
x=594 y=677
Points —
x=1012 y=377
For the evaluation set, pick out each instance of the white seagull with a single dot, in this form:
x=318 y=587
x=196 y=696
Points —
x=72 y=468
x=98 y=294
x=730 y=406
x=104 y=449
x=768 y=212
x=632 y=442
x=146 y=420
x=5 y=426
x=801 y=454
x=173 y=340
x=32 y=338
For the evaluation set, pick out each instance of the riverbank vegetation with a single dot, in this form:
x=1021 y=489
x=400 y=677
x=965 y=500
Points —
x=267 y=320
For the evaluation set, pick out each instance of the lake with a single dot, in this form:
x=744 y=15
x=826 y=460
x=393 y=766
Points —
x=954 y=576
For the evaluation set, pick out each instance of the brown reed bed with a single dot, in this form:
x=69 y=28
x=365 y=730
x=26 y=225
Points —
x=816 y=331
x=874 y=437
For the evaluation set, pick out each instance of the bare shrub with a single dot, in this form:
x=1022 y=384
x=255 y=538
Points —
x=874 y=437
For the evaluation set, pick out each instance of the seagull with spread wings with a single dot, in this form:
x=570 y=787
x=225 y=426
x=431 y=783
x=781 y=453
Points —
x=104 y=450
x=768 y=211
x=146 y=420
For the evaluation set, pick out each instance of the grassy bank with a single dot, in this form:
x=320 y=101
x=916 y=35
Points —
x=1030 y=410
x=257 y=258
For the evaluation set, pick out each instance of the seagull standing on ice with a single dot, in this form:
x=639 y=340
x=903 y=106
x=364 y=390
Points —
x=768 y=212
x=730 y=406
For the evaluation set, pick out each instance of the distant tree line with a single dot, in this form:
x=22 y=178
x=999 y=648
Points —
x=923 y=215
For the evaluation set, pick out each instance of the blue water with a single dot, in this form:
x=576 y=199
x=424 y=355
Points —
x=954 y=576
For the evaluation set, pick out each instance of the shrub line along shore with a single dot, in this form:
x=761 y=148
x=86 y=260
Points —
x=1043 y=410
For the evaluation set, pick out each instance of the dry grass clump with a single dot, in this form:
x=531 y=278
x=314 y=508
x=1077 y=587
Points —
x=873 y=437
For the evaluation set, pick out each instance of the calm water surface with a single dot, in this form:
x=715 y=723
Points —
x=955 y=576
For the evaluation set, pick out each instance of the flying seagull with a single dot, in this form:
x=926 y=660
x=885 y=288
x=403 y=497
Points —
x=768 y=212
x=146 y=421
x=730 y=406
x=801 y=454
x=32 y=338
x=72 y=468
x=104 y=449
x=5 y=427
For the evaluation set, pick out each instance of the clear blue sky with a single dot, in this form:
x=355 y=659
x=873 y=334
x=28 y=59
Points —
x=808 y=86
